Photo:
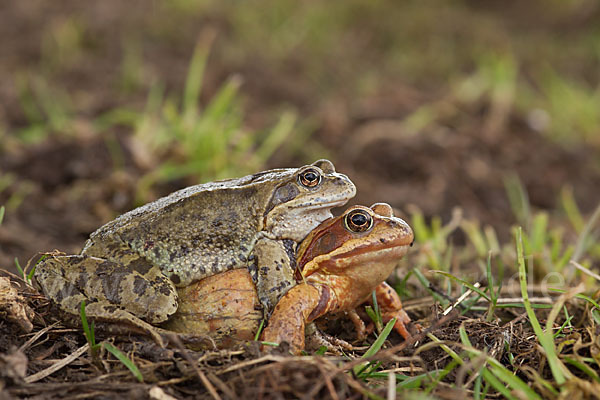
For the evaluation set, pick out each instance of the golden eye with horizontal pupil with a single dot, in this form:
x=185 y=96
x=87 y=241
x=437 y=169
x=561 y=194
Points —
x=358 y=221
x=310 y=178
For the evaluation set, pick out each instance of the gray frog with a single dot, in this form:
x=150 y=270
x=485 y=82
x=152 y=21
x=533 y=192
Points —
x=130 y=268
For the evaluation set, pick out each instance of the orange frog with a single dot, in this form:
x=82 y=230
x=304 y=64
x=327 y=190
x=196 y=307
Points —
x=341 y=262
x=338 y=265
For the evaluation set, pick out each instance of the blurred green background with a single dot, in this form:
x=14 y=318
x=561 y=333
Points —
x=489 y=106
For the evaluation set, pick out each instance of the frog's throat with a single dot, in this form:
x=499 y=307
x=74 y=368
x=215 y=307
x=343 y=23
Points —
x=296 y=224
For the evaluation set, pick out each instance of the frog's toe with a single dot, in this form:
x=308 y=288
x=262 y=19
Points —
x=404 y=325
x=315 y=339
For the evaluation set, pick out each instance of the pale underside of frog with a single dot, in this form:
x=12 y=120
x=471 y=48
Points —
x=131 y=268
x=339 y=264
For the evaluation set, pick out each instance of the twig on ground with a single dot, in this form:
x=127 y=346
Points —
x=58 y=365
x=35 y=337
x=211 y=389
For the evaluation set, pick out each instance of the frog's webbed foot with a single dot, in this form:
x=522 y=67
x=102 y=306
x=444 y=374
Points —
x=315 y=338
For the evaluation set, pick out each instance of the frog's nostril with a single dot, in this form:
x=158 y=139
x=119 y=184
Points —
x=411 y=243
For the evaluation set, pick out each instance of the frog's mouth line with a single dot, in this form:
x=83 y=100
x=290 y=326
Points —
x=400 y=249
x=316 y=206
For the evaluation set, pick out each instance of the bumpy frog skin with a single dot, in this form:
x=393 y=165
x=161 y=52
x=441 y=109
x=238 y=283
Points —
x=130 y=268
x=342 y=261
x=339 y=264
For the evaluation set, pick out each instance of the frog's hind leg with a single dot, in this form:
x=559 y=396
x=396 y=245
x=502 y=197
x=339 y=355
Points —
x=112 y=292
x=50 y=275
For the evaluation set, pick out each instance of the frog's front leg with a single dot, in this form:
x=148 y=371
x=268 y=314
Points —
x=301 y=304
x=113 y=292
x=390 y=307
x=272 y=268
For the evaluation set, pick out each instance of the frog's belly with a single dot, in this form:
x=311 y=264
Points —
x=223 y=306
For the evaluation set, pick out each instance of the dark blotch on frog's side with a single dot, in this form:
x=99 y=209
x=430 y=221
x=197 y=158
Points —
x=112 y=287
x=65 y=291
x=140 y=285
x=82 y=279
x=175 y=278
x=140 y=265
x=111 y=308
x=253 y=269
x=282 y=285
x=162 y=286
x=105 y=267
x=290 y=250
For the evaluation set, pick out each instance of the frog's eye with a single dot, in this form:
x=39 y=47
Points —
x=358 y=221
x=310 y=178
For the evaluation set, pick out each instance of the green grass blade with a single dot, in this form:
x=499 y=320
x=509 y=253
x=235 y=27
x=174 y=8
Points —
x=582 y=366
x=195 y=77
x=579 y=296
x=276 y=137
x=583 y=239
x=570 y=206
x=490 y=284
x=486 y=373
x=18 y=265
x=259 y=331
x=499 y=370
x=467 y=284
x=123 y=358
x=30 y=274
x=1 y=214
x=545 y=338
x=427 y=285
x=415 y=382
x=539 y=232
x=442 y=374
x=518 y=199
x=476 y=237
x=376 y=346
x=87 y=329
